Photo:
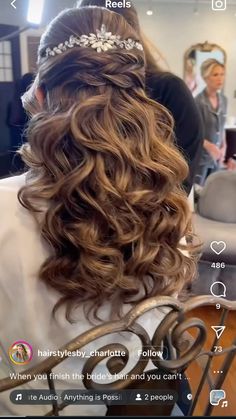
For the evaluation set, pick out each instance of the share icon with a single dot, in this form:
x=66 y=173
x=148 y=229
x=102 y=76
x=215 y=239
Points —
x=218 y=330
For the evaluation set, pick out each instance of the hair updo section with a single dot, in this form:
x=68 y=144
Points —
x=83 y=67
x=80 y=67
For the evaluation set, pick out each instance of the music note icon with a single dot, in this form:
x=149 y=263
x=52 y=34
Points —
x=18 y=397
x=225 y=403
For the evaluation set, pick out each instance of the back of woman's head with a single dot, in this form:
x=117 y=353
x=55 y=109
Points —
x=101 y=155
x=78 y=68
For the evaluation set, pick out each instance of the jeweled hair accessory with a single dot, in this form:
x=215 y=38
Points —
x=103 y=41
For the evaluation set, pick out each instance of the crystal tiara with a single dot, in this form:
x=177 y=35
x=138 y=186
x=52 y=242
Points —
x=103 y=41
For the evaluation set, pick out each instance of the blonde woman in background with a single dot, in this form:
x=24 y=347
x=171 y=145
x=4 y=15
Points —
x=212 y=105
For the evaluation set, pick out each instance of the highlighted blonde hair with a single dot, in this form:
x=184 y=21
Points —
x=101 y=155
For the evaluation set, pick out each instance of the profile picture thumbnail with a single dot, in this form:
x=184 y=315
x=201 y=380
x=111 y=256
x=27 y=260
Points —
x=20 y=352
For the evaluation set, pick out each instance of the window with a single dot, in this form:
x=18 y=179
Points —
x=6 y=73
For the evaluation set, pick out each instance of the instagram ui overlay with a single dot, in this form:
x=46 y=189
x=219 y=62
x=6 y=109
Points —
x=219 y=5
x=105 y=395
x=153 y=354
x=117 y=4
x=20 y=352
x=87 y=397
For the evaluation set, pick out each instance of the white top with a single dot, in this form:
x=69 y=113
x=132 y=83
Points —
x=26 y=306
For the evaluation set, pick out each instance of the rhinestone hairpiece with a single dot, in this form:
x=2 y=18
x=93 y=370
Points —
x=103 y=41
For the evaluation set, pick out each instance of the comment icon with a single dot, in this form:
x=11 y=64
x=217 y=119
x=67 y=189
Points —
x=218 y=289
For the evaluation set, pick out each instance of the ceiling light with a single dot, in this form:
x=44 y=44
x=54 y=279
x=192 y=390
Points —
x=35 y=11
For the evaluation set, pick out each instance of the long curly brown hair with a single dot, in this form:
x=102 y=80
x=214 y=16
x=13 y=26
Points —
x=101 y=156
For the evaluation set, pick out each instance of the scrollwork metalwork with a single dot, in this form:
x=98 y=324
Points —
x=175 y=324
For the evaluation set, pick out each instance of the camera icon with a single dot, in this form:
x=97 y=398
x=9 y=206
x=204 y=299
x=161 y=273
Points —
x=219 y=5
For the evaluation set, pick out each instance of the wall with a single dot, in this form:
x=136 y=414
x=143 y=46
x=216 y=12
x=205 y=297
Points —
x=173 y=28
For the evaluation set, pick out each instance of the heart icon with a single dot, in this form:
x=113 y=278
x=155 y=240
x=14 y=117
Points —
x=218 y=247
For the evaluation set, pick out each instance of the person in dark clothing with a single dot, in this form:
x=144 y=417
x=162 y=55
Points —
x=17 y=120
x=171 y=92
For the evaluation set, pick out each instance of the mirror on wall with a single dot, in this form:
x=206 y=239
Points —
x=193 y=59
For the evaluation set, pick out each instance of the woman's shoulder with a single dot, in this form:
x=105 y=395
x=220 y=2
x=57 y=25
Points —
x=201 y=99
x=224 y=99
x=12 y=183
x=9 y=188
